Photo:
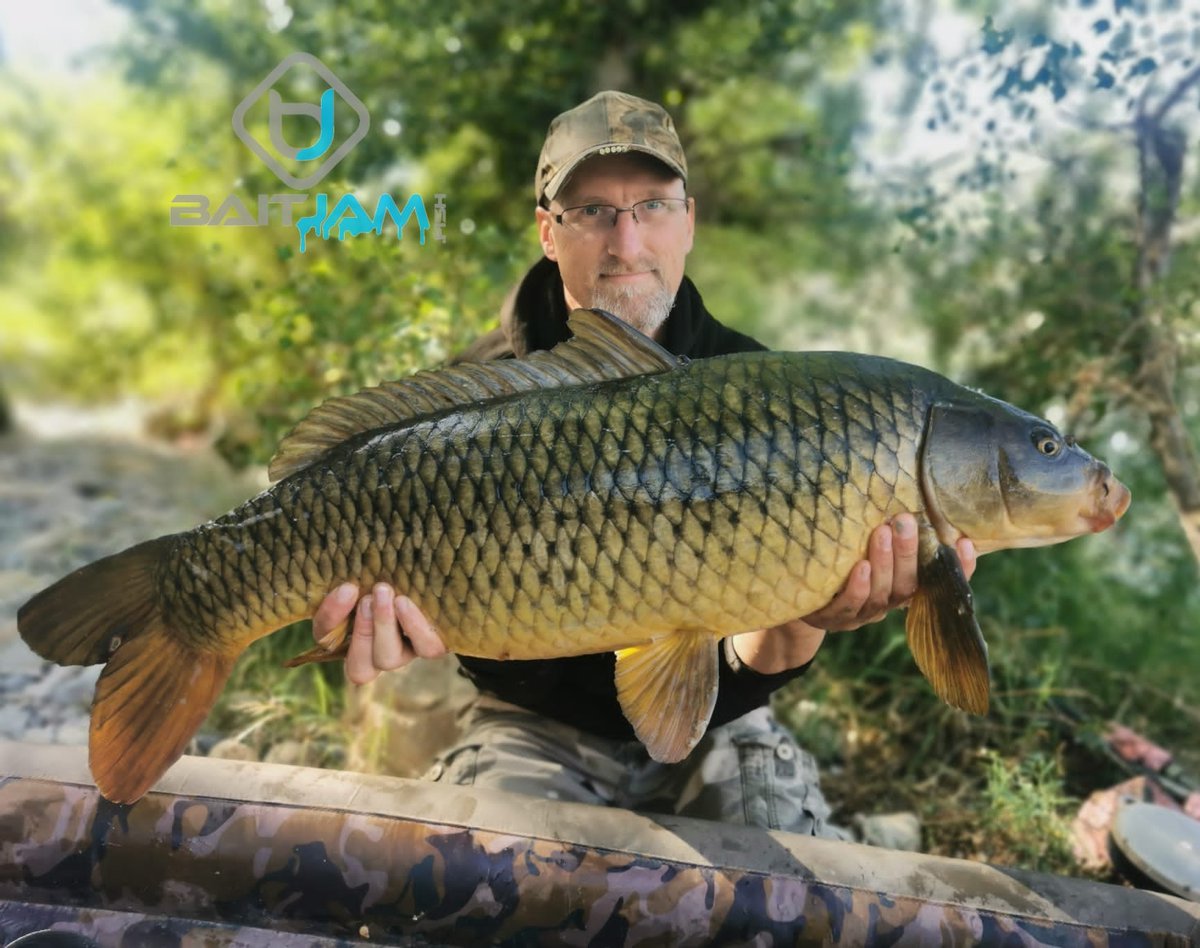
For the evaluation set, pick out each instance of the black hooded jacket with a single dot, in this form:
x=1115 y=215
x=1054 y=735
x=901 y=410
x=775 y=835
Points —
x=581 y=691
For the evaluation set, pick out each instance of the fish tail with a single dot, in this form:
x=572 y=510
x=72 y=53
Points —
x=155 y=690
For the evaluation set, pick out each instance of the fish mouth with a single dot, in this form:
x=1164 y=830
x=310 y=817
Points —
x=1114 y=500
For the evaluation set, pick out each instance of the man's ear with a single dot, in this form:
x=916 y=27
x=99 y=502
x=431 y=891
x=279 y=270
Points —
x=691 y=228
x=545 y=223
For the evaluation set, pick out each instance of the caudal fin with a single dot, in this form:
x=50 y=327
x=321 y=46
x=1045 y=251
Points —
x=154 y=692
x=85 y=616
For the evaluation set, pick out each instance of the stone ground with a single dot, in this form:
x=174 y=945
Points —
x=67 y=501
x=64 y=503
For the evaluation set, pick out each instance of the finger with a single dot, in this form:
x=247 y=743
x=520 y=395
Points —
x=882 y=559
x=421 y=634
x=333 y=612
x=967 y=556
x=360 y=667
x=904 y=558
x=841 y=614
x=388 y=649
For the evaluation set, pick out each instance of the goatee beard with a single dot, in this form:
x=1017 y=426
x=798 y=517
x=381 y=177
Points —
x=644 y=311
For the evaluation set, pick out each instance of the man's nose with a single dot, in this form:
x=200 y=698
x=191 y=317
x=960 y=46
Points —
x=625 y=237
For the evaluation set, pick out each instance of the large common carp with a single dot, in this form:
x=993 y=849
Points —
x=606 y=495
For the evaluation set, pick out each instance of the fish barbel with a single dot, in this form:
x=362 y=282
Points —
x=604 y=496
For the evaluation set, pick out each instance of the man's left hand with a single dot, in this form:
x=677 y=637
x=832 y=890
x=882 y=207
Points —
x=887 y=578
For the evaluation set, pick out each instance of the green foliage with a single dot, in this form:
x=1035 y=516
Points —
x=237 y=333
x=1028 y=811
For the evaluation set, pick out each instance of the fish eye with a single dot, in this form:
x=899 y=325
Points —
x=1047 y=443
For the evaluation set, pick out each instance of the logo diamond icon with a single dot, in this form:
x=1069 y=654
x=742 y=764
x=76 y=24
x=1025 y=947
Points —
x=322 y=113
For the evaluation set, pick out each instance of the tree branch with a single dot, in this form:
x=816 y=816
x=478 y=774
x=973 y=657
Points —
x=1176 y=94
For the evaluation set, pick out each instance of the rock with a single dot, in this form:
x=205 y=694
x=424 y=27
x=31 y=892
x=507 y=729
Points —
x=232 y=749
x=289 y=752
x=889 y=830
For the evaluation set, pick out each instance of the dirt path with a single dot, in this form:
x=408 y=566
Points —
x=64 y=503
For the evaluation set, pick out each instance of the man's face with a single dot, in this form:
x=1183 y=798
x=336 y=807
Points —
x=632 y=270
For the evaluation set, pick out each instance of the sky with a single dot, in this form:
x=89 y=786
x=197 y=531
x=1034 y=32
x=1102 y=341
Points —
x=46 y=36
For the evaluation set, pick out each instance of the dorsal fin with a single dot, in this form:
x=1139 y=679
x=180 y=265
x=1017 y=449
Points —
x=602 y=347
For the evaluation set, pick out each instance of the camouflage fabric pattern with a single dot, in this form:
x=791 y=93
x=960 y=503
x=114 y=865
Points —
x=749 y=772
x=607 y=123
x=412 y=861
x=110 y=929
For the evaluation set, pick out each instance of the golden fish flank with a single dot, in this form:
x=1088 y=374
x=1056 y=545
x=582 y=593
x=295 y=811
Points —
x=603 y=496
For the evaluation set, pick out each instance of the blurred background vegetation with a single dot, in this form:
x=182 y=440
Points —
x=1006 y=192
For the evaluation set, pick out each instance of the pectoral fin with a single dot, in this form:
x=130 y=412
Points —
x=943 y=633
x=667 y=690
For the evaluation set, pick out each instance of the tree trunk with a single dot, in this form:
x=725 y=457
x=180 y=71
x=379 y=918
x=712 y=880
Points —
x=1161 y=152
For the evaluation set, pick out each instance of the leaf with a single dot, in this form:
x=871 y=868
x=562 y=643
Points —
x=1142 y=67
x=994 y=41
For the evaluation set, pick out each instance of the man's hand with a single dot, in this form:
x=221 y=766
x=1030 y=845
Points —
x=389 y=630
x=887 y=578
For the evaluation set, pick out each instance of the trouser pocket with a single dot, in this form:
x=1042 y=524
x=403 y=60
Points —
x=779 y=784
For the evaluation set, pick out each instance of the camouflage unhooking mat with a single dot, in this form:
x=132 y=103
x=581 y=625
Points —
x=226 y=853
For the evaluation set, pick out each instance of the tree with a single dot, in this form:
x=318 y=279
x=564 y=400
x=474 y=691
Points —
x=1099 y=98
x=460 y=96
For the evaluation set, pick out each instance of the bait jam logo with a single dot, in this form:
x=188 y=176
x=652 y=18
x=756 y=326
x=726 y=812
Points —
x=313 y=162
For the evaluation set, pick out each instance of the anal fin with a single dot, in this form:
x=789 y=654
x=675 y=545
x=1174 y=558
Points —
x=333 y=646
x=667 y=690
x=943 y=633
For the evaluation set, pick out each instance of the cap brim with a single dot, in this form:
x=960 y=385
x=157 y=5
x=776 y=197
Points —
x=559 y=178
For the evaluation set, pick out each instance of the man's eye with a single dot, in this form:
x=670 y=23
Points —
x=654 y=204
x=593 y=210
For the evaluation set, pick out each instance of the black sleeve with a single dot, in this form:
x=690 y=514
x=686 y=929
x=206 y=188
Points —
x=742 y=689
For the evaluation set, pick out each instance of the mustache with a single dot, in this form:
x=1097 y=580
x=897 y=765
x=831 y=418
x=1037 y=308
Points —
x=618 y=270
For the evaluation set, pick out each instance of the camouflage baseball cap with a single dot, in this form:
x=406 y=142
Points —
x=606 y=124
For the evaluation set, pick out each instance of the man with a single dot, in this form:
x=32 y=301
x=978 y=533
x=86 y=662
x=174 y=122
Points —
x=616 y=224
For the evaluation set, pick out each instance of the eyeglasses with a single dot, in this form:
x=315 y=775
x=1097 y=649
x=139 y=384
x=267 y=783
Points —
x=596 y=218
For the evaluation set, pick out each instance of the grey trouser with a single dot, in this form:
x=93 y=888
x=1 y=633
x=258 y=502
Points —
x=749 y=771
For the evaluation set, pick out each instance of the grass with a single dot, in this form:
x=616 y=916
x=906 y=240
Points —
x=1004 y=787
x=266 y=704
x=1029 y=812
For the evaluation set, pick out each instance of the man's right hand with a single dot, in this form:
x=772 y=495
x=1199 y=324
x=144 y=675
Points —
x=389 y=631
